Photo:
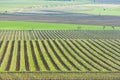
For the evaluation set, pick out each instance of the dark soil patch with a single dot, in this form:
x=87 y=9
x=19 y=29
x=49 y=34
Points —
x=71 y=18
x=18 y=57
x=1 y=43
x=10 y=57
x=26 y=57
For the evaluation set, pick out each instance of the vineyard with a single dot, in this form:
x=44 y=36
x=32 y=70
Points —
x=59 y=40
x=58 y=34
x=43 y=51
x=60 y=55
x=59 y=51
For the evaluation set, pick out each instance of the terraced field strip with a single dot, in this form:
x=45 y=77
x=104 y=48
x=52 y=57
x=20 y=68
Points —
x=58 y=34
x=93 y=55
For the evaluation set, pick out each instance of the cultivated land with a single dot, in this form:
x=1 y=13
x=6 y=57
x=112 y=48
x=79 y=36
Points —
x=48 y=52
x=87 y=48
x=72 y=18
x=61 y=12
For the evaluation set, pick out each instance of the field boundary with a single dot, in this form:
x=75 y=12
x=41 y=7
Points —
x=60 y=76
x=59 y=72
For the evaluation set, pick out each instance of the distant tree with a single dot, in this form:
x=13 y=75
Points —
x=104 y=27
x=113 y=27
x=104 y=9
x=6 y=11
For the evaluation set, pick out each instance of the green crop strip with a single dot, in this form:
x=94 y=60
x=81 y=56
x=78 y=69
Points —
x=14 y=25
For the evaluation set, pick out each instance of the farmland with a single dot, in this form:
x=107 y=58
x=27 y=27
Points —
x=59 y=40
x=69 y=49
x=60 y=55
x=82 y=6
x=20 y=25
x=70 y=12
x=58 y=34
x=21 y=5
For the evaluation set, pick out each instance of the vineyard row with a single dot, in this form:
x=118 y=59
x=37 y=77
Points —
x=57 y=34
x=60 y=55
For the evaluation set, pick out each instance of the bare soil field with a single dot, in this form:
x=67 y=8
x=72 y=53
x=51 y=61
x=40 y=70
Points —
x=71 y=14
x=61 y=17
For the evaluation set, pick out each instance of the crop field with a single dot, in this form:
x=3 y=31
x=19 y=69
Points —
x=60 y=55
x=35 y=52
x=58 y=34
x=20 y=25
x=59 y=40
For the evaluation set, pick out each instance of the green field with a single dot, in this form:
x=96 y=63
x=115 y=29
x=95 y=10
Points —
x=14 y=25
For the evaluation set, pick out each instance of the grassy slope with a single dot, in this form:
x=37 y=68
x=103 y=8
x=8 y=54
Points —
x=14 y=25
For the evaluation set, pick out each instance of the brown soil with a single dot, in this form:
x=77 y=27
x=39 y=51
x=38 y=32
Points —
x=26 y=57
x=71 y=18
x=10 y=57
x=18 y=57
x=1 y=43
